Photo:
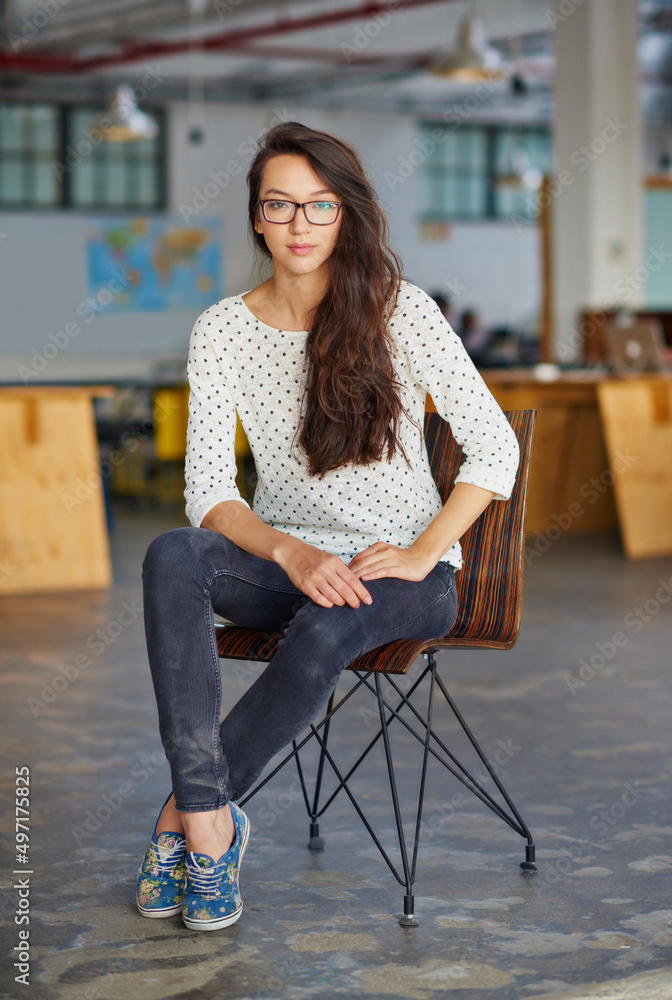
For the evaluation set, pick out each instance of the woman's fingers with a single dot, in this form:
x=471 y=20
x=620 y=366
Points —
x=319 y=598
x=381 y=560
x=327 y=580
x=345 y=589
x=375 y=558
x=355 y=588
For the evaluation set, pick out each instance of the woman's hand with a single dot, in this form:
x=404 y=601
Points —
x=463 y=506
x=381 y=559
x=321 y=576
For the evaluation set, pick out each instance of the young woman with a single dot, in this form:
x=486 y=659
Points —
x=347 y=547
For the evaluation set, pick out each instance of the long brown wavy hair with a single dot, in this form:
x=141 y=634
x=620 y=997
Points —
x=352 y=405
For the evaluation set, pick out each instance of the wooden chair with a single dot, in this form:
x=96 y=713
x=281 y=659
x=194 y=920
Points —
x=489 y=586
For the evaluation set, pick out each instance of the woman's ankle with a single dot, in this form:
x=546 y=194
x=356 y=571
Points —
x=170 y=820
x=212 y=832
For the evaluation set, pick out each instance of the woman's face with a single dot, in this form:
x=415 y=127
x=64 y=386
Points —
x=297 y=247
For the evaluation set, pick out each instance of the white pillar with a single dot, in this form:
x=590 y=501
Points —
x=598 y=205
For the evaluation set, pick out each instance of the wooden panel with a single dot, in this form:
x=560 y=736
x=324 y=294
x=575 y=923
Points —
x=637 y=418
x=587 y=491
x=53 y=534
x=568 y=481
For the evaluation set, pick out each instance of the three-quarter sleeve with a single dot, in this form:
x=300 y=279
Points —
x=210 y=465
x=443 y=368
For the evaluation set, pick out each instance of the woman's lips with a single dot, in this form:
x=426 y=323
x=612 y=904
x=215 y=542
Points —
x=301 y=248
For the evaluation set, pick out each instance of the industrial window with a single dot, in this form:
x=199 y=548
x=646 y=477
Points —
x=476 y=172
x=52 y=156
x=28 y=147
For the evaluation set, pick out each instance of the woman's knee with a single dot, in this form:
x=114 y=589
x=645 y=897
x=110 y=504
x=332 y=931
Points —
x=168 y=549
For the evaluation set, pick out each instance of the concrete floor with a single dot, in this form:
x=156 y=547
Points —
x=588 y=764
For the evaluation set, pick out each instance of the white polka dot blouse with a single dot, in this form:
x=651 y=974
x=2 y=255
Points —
x=239 y=364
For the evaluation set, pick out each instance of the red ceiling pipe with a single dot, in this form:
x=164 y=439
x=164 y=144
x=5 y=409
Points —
x=134 y=51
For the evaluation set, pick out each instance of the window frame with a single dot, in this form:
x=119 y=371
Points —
x=64 y=200
x=431 y=172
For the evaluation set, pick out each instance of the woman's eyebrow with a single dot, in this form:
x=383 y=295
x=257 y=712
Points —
x=286 y=195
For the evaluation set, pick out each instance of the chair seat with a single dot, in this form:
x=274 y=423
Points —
x=238 y=643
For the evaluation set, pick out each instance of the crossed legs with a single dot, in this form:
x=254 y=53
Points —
x=190 y=572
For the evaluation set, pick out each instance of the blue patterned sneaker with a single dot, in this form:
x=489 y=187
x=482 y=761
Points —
x=160 y=886
x=211 y=897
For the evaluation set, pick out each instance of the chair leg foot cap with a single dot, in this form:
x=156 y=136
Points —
x=409 y=920
x=316 y=844
x=528 y=866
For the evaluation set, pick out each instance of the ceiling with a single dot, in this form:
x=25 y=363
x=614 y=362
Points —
x=342 y=54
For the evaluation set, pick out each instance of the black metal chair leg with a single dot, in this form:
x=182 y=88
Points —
x=529 y=863
x=315 y=843
x=409 y=919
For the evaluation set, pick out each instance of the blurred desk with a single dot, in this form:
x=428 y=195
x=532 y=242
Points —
x=53 y=534
x=570 y=487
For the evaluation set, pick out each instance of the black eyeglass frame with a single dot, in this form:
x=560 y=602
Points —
x=297 y=205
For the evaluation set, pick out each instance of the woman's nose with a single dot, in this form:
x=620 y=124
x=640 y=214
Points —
x=299 y=223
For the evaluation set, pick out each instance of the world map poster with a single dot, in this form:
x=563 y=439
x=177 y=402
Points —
x=140 y=263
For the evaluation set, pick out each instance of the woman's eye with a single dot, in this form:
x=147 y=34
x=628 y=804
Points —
x=277 y=206
x=324 y=206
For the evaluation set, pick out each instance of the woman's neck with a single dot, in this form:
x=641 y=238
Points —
x=290 y=299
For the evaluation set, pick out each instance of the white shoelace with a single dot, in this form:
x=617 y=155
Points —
x=203 y=880
x=166 y=860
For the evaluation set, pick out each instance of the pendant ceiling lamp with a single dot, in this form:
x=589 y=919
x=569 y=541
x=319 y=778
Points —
x=472 y=59
x=125 y=122
x=521 y=175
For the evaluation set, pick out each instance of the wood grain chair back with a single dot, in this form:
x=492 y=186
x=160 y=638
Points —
x=490 y=583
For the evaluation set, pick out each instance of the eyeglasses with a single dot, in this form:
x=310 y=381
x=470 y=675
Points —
x=317 y=213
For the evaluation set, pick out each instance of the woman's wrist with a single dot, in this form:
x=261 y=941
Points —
x=242 y=526
x=426 y=554
x=283 y=547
